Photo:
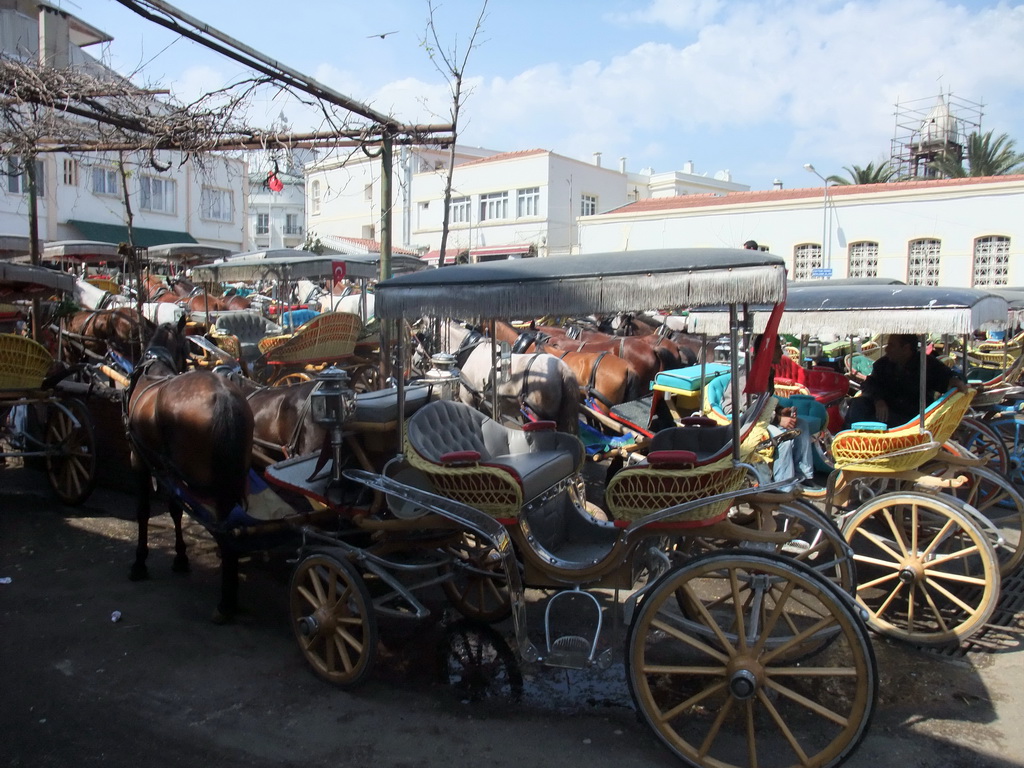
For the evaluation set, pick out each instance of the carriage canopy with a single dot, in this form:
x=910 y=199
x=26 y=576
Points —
x=20 y=281
x=602 y=283
x=286 y=264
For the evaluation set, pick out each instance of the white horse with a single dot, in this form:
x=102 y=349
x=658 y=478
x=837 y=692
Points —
x=540 y=386
x=89 y=296
x=311 y=293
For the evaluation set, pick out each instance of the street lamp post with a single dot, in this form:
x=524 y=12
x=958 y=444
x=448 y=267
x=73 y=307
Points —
x=825 y=233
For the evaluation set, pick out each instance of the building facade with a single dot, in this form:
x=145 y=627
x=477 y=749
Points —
x=82 y=196
x=956 y=232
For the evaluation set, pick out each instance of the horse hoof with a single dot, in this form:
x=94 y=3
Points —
x=181 y=565
x=138 y=573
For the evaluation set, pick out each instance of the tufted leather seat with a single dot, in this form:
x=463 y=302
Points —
x=458 y=446
x=248 y=327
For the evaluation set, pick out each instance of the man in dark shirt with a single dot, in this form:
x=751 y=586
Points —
x=891 y=392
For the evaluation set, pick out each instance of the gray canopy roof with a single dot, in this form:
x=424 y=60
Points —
x=24 y=281
x=603 y=283
x=849 y=310
x=187 y=253
x=287 y=264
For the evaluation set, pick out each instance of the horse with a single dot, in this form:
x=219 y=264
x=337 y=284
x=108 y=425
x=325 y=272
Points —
x=90 y=296
x=283 y=425
x=643 y=359
x=539 y=386
x=605 y=380
x=194 y=432
x=95 y=331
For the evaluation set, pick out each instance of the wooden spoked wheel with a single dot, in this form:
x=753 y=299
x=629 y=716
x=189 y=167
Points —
x=718 y=683
x=298 y=377
x=366 y=378
x=1011 y=429
x=70 y=452
x=999 y=501
x=332 y=616
x=983 y=441
x=478 y=587
x=926 y=570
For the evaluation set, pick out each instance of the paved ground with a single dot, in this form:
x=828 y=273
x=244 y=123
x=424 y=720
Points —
x=164 y=686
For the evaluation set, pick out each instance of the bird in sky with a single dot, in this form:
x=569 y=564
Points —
x=383 y=34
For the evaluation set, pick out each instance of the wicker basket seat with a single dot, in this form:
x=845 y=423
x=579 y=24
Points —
x=24 y=363
x=477 y=461
x=686 y=464
x=905 y=447
x=326 y=338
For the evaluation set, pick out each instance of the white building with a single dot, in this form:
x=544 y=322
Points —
x=81 y=196
x=276 y=217
x=956 y=232
x=503 y=204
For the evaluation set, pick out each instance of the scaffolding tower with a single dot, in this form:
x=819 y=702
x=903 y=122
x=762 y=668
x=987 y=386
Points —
x=929 y=127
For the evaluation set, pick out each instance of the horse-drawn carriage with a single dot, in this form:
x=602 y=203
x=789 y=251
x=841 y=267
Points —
x=41 y=419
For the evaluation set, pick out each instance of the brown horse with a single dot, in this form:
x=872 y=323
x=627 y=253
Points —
x=194 y=433
x=604 y=378
x=644 y=360
x=283 y=425
x=95 y=331
x=196 y=298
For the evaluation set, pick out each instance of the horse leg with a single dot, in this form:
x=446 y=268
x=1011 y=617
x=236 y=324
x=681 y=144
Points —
x=180 y=555
x=139 y=570
x=228 y=607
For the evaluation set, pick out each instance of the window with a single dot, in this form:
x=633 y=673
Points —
x=156 y=194
x=105 y=181
x=368 y=192
x=806 y=258
x=262 y=223
x=460 y=210
x=863 y=259
x=528 y=202
x=369 y=232
x=494 y=206
x=215 y=204
x=588 y=205
x=17 y=181
x=991 y=260
x=314 y=198
x=291 y=224
x=70 y=172
x=923 y=262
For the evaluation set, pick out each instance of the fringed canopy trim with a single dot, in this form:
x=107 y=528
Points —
x=587 y=284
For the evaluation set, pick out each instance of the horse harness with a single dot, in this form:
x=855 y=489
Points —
x=526 y=339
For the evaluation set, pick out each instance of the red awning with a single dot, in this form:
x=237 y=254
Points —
x=450 y=256
x=499 y=250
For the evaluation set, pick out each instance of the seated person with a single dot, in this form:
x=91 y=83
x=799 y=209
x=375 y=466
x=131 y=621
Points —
x=794 y=459
x=890 y=394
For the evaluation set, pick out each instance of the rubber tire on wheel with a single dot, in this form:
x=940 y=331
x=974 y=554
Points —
x=333 y=619
x=70 y=452
x=721 y=697
x=1011 y=429
x=1001 y=503
x=478 y=587
x=928 y=546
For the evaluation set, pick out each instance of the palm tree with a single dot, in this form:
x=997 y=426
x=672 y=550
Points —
x=870 y=174
x=986 y=156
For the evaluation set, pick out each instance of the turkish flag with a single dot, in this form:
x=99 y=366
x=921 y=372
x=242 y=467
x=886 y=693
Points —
x=274 y=184
x=339 y=270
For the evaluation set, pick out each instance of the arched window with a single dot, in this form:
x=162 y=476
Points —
x=863 y=259
x=923 y=262
x=991 y=260
x=806 y=257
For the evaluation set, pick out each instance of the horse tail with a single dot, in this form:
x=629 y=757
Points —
x=634 y=391
x=568 y=414
x=667 y=359
x=232 y=451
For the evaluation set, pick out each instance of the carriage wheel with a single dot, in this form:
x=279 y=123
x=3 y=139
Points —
x=1011 y=430
x=926 y=571
x=478 y=664
x=1001 y=503
x=983 y=441
x=478 y=587
x=719 y=686
x=366 y=378
x=70 y=452
x=333 y=619
x=299 y=377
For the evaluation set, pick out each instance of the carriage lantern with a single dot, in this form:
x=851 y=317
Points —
x=444 y=374
x=722 y=350
x=814 y=348
x=333 y=401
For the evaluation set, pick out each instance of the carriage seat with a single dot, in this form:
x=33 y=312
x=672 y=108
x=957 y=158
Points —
x=248 y=328
x=474 y=459
x=381 y=407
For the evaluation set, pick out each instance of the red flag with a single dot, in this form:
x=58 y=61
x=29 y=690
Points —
x=274 y=184
x=760 y=371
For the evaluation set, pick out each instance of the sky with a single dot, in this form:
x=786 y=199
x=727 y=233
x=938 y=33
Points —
x=755 y=89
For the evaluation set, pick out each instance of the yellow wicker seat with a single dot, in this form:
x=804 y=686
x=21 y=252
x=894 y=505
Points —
x=670 y=477
x=24 y=363
x=326 y=338
x=473 y=459
x=905 y=447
